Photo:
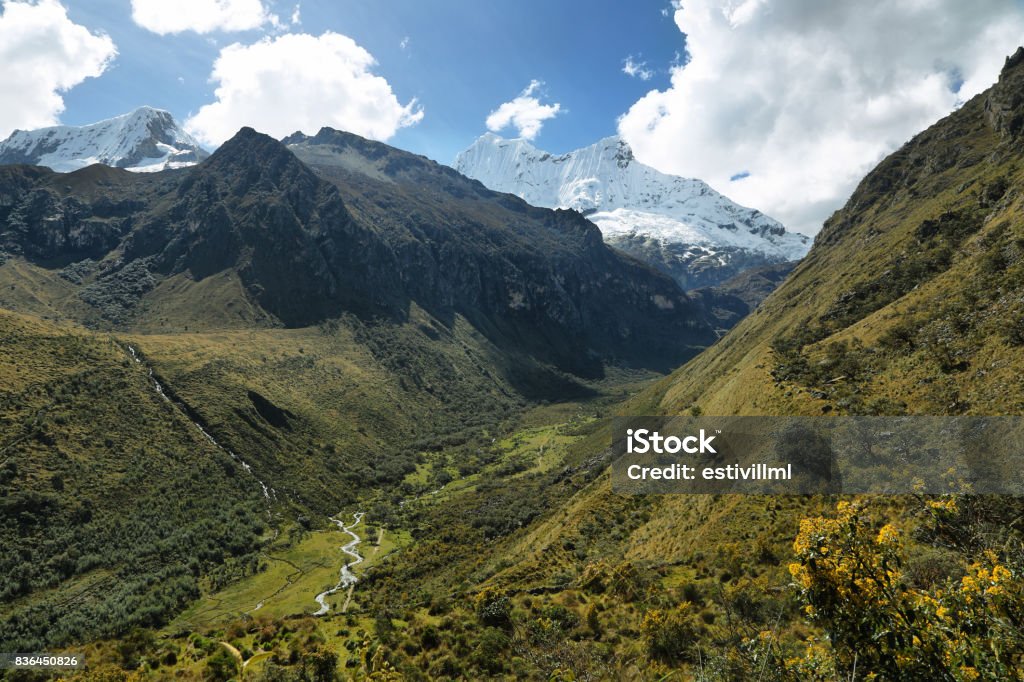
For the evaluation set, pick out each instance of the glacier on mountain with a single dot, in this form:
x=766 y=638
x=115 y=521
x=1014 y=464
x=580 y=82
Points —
x=680 y=225
x=143 y=140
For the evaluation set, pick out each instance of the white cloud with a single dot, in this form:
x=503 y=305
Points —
x=672 y=8
x=296 y=15
x=525 y=113
x=201 y=16
x=404 y=43
x=42 y=54
x=635 y=69
x=300 y=82
x=808 y=96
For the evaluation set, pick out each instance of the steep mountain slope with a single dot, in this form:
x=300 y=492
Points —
x=463 y=247
x=143 y=140
x=113 y=506
x=679 y=225
x=911 y=299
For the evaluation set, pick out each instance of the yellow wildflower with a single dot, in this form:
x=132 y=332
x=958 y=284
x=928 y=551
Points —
x=887 y=535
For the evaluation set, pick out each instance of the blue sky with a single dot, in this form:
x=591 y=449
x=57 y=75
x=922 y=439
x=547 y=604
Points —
x=461 y=60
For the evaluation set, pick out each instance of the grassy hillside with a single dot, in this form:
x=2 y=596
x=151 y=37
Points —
x=113 y=504
x=98 y=465
x=324 y=413
x=121 y=513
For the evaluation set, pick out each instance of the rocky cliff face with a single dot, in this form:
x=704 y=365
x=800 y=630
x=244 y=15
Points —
x=1004 y=104
x=732 y=300
x=542 y=279
x=56 y=227
x=362 y=229
x=256 y=209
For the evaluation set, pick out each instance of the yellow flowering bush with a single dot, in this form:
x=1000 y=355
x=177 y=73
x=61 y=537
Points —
x=851 y=581
x=670 y=634
x=493 y=607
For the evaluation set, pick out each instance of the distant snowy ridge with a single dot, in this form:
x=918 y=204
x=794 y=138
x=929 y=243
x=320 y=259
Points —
x=680 y=225
x=146 y=139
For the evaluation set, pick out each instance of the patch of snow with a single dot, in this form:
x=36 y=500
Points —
x=697 y=230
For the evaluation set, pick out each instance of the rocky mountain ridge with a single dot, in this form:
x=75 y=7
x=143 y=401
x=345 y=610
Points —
x=308 y=244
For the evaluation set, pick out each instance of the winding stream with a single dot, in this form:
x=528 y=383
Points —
x=347 y=577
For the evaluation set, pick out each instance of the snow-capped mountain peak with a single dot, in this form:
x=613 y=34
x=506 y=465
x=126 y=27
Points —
x=145 y=139
x=681 y=225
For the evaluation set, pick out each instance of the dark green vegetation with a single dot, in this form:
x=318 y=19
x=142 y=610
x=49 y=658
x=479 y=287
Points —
x=503 y=552
x=113 y=508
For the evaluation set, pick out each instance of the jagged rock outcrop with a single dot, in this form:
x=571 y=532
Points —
x=1004 y=104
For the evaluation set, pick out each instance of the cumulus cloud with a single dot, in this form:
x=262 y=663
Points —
x=42 y=54
x=798 y=99
x=300 y=82
x=636 y=69
x=202 y=16
x=525 y=113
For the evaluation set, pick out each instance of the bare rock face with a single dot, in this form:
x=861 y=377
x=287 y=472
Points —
x=542 y=277
x=1004 y=105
